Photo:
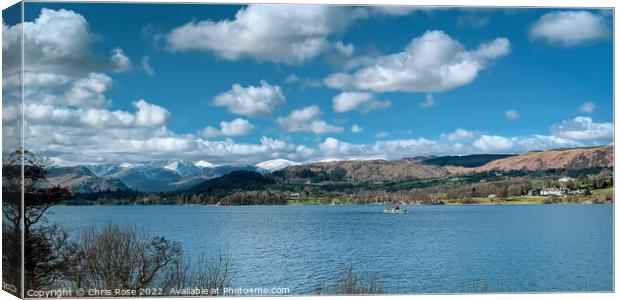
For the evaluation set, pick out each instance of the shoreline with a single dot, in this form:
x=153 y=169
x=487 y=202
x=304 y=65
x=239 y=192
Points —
x=357 y=204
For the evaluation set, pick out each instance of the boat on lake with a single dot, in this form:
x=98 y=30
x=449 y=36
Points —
x=394 y=210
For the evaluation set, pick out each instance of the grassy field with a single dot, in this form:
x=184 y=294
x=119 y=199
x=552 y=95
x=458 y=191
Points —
x=599 y=196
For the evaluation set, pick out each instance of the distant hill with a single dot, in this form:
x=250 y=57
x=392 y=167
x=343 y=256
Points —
x=361 y=171
x=80 y=179
x=233 y=181
x=565 y=158
x=468 y=161
x=165 y=175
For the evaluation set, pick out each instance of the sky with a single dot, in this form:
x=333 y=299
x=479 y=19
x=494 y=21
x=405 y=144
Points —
x=245 y=84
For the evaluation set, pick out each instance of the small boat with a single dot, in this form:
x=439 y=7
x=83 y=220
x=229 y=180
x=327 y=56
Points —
x=395 y=210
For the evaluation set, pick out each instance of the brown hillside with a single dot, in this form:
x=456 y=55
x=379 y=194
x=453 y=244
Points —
x=573 y=158
x=370 y=171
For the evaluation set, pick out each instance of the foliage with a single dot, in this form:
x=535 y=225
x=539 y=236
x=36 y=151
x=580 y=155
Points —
x=43 y=245
x=468 y=161
x=120 y=258
x=350 y=283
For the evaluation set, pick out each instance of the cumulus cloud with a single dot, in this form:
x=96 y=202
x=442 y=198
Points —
x=150 y=114
x=307 y=119
x=459 y=134
x=88 y=91
x=493 y=143
x=356 y=128
x=58 y=41
x=364 y=102
x=511 y=114
x=253 y=101
x=69 y=117
x=332 y=147
x=257 y=32
x=588 y=107
x=147 y=115
x=501 y=144
x=235 y=127
x=119 y=61
x=583 y=129
x=433 y=62
x=570 y=28
x=346 y=50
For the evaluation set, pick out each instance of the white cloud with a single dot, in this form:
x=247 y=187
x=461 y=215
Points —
x=394 y=10
x=493 y=143
x=235 y=127
x=68 y=116
x=472 y=20
x=433 y=62
x=251 y=101
x=391 y=149
x=511 y=114
x=257 y=31
x=381 y=134
x=307 y=119
x=459 y=134
x=356 y=128
x=500 y=144
x=146 y=65
x=588 y=107
x=583 y=129
x=364 y=102
x=147 y=115
x=291 y=78
x=150 y=114
x=89 y=91
x=346 y=50
x=119 y=61
x=570 y=28
x=332 y=146
x=429 y=101
x=58 y=41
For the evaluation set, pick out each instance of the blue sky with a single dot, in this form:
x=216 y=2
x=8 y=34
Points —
x=481 y=80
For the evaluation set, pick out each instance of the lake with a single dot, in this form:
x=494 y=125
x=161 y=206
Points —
x=433 y=249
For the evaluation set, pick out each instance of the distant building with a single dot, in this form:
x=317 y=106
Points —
x=294 y=195
x=577 y=192
x=492 y=196
x=552 y=191
x=566 y=179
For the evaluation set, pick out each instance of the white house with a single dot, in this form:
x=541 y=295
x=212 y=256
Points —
x=552 y=191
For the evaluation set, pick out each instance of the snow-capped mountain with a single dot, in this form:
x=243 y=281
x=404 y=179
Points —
x=126 y=165
x=81 y=179
x=182 y=167
x=166 y=175
x=276 y=164
x=366 y=158
x=204 y=164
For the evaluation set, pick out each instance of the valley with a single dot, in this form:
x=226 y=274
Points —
x=576 y=175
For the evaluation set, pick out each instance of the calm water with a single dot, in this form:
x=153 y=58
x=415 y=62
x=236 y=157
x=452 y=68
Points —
x=433 y=249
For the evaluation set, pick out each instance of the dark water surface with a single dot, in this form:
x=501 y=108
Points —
x=433 y=249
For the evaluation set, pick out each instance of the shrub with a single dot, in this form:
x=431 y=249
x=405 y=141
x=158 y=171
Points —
x=349 y=283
